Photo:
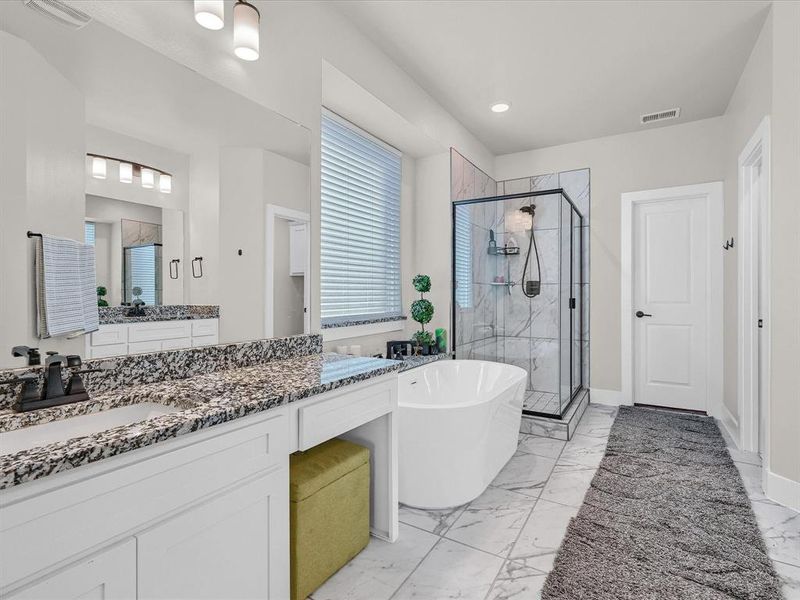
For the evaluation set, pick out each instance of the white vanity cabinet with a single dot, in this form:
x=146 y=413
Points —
x=107 y=575
x=152 y=336
x=205 y=515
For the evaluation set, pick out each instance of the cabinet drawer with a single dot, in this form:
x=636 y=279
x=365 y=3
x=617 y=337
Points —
x=205 y=327
x=176 y=344
x=108 y=351
x=206 y=340
x=333 y=416
x=110 y=334
x=141 y=347
x=161 y=330
x=175 y=474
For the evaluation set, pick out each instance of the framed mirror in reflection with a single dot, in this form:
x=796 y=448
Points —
x=158 y=171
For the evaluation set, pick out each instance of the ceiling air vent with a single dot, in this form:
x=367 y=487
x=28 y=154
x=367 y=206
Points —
x=663 y=115
x=59 y=12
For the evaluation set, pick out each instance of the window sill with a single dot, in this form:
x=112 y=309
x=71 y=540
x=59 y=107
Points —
x=333 y=332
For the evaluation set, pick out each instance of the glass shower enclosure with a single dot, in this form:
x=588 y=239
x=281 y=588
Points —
x=518 y=275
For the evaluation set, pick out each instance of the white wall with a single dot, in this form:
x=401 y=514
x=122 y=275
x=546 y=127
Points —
x=288 y=289
x=785 y=254
x=669 y=156
x=750 y=103
x=42 y=169
x=249 y=179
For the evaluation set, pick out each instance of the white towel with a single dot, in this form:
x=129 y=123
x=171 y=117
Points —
x=66 y=289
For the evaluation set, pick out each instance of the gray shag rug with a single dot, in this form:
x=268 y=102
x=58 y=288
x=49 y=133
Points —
x=666 y=517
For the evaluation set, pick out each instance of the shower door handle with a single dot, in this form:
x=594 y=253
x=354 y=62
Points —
x=640 y=314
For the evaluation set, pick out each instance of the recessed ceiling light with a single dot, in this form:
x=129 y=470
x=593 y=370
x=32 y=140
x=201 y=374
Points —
x=501 y=107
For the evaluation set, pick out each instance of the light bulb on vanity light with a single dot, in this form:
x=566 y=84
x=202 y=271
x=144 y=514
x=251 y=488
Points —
x=98 y=167
x=165 y=183
x=148 y=178
x=246 y=19
x=210 y=13
x=125 y=172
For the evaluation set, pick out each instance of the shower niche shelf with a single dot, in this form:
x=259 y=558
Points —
x=504 y=251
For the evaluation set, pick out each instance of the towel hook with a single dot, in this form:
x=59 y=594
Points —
x=199 y=261
x=175 y=262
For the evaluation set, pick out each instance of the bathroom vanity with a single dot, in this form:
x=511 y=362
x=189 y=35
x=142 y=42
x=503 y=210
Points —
x=193 y=501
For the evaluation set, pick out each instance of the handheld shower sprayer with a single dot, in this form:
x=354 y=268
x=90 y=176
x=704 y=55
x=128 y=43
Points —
x=531 y=287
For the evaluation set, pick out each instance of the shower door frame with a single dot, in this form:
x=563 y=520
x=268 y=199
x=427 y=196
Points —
x=457 y=203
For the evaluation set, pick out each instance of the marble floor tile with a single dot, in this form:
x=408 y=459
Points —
x=542 y=535
x=525 y=473
x=567 y=485
x=493 y=521
x=780 y=527
x=380 y=569
x=540 y=446
x=452 y=570
x=583 y=450
x=790 y=575
x=751 y=477
x=743 y=456
x=517 y=582
x=435 y=521
x=595 y=424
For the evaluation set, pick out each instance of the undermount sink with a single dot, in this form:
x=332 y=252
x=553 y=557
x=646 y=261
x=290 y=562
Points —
x=64 y=429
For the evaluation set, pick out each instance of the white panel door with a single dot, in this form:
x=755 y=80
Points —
x=108 y=575
x=670 y=279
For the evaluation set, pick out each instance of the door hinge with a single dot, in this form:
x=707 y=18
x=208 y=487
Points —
x=761 y=323
x=572 y=303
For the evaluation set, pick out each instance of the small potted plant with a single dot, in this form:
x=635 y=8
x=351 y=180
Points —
x=422 y=312
x=101 y=293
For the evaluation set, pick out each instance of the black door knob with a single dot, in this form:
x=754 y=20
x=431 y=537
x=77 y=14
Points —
x=640 y=314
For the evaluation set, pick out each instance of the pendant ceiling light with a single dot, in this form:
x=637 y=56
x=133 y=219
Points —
x=246 y=20
x=98 y=167
x=125 y=172
x=210 y=13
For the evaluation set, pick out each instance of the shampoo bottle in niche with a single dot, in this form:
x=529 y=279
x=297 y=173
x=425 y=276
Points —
x=492 y=243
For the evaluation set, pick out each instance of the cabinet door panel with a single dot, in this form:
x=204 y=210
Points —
x=233 y=546
x=108 y=575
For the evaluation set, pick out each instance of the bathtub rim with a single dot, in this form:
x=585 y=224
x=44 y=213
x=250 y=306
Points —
x=522 y=375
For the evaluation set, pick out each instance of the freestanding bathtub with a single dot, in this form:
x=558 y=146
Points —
x=459 y=425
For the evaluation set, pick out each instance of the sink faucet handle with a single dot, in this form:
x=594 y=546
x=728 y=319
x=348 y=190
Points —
x=55 y=357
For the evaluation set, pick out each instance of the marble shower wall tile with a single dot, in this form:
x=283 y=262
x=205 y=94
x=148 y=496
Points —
x=517 y=352
x=462 y=177
x=544 y=312
x=516 y=313
x=576 y=185
x=544 y=369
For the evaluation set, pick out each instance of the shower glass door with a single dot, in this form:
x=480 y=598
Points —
x=493 y=318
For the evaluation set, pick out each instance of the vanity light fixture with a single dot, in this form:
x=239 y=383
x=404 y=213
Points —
x=125 y=172
x=98 y=167
x=246 y=19
x=210 y=13
x=148 y=178
x=129 y=170
x=165 y=183
x=500 y=107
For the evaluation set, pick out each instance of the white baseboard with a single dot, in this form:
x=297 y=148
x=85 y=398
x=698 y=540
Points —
x=610 y=397
x=782 y=490
x=730 y=424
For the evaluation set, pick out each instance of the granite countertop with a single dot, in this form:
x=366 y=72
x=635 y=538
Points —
x=205 y=400
x=115 y=315
x=417 y=361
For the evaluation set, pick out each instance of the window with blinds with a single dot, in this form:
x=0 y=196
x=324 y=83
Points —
x=360 y=229
x=463 y=248
x=89 y=233
x=142 y=270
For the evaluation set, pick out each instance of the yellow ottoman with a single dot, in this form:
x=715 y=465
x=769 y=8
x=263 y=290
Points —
x=329 y=511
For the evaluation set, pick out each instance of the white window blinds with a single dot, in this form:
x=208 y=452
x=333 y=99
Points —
x=89 y=233
x=360 y=229
x=463 y=249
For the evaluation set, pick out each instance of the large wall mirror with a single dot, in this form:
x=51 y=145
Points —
x=168 y=175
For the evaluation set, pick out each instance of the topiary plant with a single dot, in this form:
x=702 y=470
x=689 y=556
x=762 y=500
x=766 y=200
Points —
x=422 y=310
x=101 y=291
